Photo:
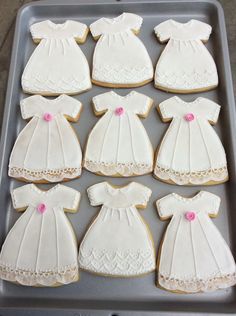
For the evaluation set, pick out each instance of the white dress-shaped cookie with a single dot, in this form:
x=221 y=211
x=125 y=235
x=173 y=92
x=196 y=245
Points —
x=193 y=257
x=116 y=62
x=47 y=149
x=185 y=65
x=118 y=242
x=41 y=248
x=118 y=143
x=191 y=151
x=57 y=65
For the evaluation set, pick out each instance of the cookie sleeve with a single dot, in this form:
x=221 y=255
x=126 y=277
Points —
x=141 y=104
x=97 y=194
x=69 y=198
x=140 y=194
x=134 y=21
x=77 y=30
x=209 y=109
x=101 y=102
x=97 y=28
x=203 y=29
x=70 y=107
x=39 y=30
x=163 y=31
x=21 y=197
x=213 y=203
x=166 y=108
x=165 y=206
x=30 y=106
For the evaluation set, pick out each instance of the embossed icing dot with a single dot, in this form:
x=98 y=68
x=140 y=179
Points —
x=190 y=216
x=47 y=117
x=41 y=208
x=189 y=117
x=119 y=111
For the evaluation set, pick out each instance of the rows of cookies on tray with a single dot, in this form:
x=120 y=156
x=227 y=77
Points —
x=41 y=249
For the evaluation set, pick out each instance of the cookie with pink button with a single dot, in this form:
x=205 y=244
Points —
x=41 y=248
x=47 y=149
x=118 y=144
x=191 y=153
x=193 y=256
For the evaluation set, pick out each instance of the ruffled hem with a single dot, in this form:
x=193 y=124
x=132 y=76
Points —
x=50 y=175
x=197 y=177
x=123 y=169
x=197 y=285
x=117 y=263
x=64 y=275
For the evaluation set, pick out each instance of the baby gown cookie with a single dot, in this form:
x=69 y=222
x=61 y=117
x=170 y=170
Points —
x=57 y=65
x=193 y=257
x=191 y=151
x=118 y=145
x=41 y=248
x=118 y=243
x=116 y=62
x=47 y=149
x=185 y=65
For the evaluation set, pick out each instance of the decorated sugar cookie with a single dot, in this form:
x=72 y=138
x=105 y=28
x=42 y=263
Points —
x=57 y=65
x=41 y=248
x=118 y=145
x=120 y=58
x=190 y=152
x=118 y=242
x=185 y=65
x=47 y=149
x=193 y=256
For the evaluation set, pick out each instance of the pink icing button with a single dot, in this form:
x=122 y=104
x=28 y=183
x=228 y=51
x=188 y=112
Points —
x=190 y=216
x=41 y=208
x=189 y=117
x=47 y=117
x=119 y=111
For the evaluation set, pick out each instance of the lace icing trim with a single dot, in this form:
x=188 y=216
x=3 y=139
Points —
x=196 y=284
x=121 y=74
x=52 y=175
x=60 y=85
x=184 y=80
x=64 y=275
x=124 y=169
x=197 y=177
x=117 y=262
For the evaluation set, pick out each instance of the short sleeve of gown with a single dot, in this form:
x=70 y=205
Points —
x=69 y=198
x=209 y=110
x=70 y=107
x=202 y=29
x=141 y=103
x=39 y=30
x=77 y=30
x=102 y=102
x=165 y=206
x=167 y=108
x=213 y=203
x=97 y=194
x=30 y=106
x=21 y=196
x=134 y=21
x=140 y=194
x=163 y=31
x=97 y=28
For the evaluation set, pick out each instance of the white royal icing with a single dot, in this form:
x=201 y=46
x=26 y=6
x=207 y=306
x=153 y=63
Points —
x=190 y=152
x=41 y=248
x=118 y=242
x=185 y=63
x=115 y=58
x=57 y=65
x=194 y=256
x=119 y=144
x=47 y=150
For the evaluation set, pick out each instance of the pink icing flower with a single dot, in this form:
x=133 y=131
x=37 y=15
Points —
x=47 y=117
x=41 y=208
x=189 y=117
x=119 y=111
x=190 y=216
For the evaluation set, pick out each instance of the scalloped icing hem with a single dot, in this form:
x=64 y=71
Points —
x=123 y=169
x=66 y=275
x=197 y=285
x=51 y=175
x=117 y=263
x=200 y=177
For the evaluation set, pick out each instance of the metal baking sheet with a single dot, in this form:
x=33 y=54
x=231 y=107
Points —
x=97 y=295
